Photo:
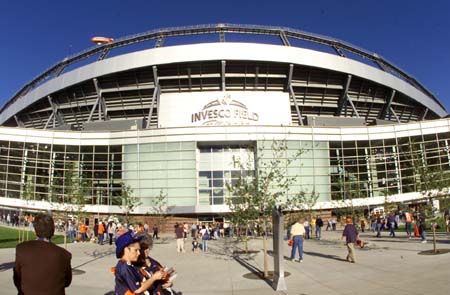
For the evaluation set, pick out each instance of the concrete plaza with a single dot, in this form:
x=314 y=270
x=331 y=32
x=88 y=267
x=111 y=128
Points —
x=385 y=266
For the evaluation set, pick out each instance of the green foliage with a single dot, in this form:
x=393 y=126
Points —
x=76 y=190
x=129 y=202
x=159 y=208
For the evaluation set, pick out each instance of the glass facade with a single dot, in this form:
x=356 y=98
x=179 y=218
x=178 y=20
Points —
x=222 y=165
x=196 y=172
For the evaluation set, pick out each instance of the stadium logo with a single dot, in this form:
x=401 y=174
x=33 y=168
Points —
x=224 y=111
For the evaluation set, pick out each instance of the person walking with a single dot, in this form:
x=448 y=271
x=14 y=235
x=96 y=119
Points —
x=111 y=231
x=306 y=226
x=391 y=222
x=379 y=225
x=179 y=233
x=319 y=224
x=101 y=232
x=193 y=230
x=297 y=234
x=155 y=231
x=204 y=232
x=408 y=222
x=350 y=234
x=312 y=226
x=41 y=267
x=422 y=229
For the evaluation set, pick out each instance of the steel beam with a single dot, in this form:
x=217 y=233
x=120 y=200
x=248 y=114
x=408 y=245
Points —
x=155 y=97
x=55 y=115
x=189 y=78
x=338 y=50
x=424 y=115
x=297 y=109
x=48 y=121
x=19 y=122
x=104 y=53
x=387 y=106
x=395 y=115
x=100 y=103
x=97 y=103
x=223 y=86
x=353 y=106
x=343 y=99
x=284 y=39
x=159 y=41
x=256 y=77
x=60 y=69
x=291 y=72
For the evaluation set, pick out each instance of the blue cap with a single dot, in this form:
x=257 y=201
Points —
x=125 y=240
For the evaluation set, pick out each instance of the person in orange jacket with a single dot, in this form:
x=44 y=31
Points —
x=101 y=232
x=83 y=231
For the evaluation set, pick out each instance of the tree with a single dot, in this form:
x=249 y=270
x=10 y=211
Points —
x=254 y=196
x=432 y=181
x=241 y=206
x=76 y=189
x=159 y=208
x=129 y=202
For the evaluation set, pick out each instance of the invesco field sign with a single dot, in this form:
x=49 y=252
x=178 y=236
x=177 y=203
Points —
x=224 y=109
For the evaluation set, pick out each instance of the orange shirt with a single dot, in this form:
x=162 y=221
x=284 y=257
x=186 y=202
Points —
x=83 y=228
x=101 y=228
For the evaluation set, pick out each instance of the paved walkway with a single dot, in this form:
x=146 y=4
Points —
x=385 y=266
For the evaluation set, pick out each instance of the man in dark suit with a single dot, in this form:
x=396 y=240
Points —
x=42 y=267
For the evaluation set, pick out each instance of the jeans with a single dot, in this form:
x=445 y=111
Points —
x=408 y=228
x=423 y=235
x=100 y=239
x=379 y=230
x=110 y=238
x=392 y=229
x=307 y=232
x=205 y=245
x=298 y=243
x=318 y=232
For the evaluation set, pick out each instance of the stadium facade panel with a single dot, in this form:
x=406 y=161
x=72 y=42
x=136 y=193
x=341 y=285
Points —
x=172 y=120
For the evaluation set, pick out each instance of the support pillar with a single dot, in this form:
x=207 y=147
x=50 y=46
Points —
x=279 y=283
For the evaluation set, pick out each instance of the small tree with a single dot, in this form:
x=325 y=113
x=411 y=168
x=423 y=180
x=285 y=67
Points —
x=256 y=196
x=129 y=202
x=160 y=208
x=76 y=188
x=243 y=211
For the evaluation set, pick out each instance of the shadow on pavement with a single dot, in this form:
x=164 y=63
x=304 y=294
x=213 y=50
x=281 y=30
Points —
x=6 y=266
x=334 y=257
x=252 y=269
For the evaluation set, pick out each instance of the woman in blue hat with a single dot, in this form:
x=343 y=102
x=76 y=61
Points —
x=128 y=280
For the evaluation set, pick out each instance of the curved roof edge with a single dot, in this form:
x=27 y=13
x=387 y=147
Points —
x=218 y=51
x=283 y=32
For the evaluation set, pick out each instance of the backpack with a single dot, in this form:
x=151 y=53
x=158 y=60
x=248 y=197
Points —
x=206 y=235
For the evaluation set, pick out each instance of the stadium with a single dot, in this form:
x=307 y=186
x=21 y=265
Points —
x=167 y=112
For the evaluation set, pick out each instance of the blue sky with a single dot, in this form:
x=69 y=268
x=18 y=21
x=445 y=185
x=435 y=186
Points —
x=414 y=35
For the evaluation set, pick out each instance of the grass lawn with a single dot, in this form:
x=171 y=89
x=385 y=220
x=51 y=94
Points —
x=9 y=237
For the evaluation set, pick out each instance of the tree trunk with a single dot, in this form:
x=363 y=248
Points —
x=266 y=263
x=246 y=239
x=434 y=238
x=65 y=236
x=20 y=234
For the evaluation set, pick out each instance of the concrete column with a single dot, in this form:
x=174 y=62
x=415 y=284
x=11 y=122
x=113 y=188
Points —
x=279 y=284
